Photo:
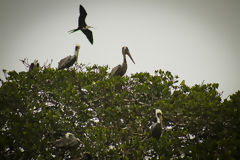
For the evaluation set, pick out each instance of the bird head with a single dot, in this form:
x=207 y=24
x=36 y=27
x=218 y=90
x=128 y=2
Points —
x=125 y=51
x=69 y=135
x=158 y=112
x=159 y=116
x=77 y=47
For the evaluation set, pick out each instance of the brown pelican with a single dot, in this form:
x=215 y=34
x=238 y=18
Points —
x=68 y=141
x=120 y=70
x=69 y=60
x=82 y=25
x=34 y=65
x=156 y=128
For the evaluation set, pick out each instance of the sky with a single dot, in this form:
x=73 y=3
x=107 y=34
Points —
x=197 y=40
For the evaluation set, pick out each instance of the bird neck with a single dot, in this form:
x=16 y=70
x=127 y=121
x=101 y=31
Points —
x=76 y=54
x=159 y=120
x=124 y=59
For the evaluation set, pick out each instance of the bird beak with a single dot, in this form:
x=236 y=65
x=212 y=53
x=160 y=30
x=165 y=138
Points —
x=128 y=53
x=161 y=121
x=87 y=27
x=77 y=50
x=160 y=116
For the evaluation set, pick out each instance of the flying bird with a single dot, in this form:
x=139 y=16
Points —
x=82 y=25
x=69 y=60
x=68 y=141
x=120 y=70
x=156 y=128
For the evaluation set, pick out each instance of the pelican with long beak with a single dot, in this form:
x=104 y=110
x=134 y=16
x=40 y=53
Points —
x=120 y=70
x=156 y=128
x=82 y=25
x=69 y=60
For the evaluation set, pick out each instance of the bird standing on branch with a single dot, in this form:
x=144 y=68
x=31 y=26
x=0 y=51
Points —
x=69 y=60
x=120 y=70
x=156 y=128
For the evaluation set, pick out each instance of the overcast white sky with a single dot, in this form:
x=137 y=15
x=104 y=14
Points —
x=196 y=40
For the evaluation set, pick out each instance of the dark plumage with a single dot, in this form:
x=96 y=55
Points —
x=82 y=25
x=69 y=60
x=120 y=70
x=156 y=128
x=34 y=65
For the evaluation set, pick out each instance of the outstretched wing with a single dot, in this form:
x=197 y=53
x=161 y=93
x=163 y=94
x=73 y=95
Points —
x=88 y=34
x=82 y=17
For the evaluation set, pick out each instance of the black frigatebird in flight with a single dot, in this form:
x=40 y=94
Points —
x=82 y=25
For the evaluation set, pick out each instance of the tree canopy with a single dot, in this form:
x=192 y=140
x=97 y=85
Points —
x=111 y=116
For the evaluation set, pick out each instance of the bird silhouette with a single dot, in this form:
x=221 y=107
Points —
x=82 y=25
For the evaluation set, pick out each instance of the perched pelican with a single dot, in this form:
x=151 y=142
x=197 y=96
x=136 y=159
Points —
x=156 y=128
x=68 y=141
x=120 y=70
x=34 y=65
x=69 y=60
x=82 y=25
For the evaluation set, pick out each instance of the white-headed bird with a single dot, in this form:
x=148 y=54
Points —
x=156 y=128
x=69 y=60
x=68 y=141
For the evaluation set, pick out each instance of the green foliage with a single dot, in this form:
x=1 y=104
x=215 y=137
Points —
x=111 y=116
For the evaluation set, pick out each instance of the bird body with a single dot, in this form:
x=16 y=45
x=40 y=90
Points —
x=68 y=141
x=82 y=25
x=69 y=60
x=156 y=128
x=120 y=70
